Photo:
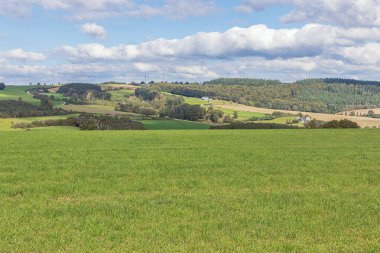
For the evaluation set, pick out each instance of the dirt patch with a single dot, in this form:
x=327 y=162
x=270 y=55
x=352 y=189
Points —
x=53 y=90
x=361 y=111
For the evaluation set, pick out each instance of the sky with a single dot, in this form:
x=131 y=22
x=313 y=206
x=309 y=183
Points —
x=51 y=41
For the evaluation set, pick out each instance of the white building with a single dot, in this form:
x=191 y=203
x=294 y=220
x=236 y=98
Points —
x=206 y=98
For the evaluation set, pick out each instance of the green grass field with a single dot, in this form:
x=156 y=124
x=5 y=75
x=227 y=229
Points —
x=120 y=95
x=190 y=191
x=174 y=125
x=16 y=92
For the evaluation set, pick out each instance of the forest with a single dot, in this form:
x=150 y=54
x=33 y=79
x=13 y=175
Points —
x=313 y=95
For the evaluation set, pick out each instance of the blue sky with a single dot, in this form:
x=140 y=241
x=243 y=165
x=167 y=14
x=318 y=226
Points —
x=76 y=40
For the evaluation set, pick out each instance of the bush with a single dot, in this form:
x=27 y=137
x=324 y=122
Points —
x=341 y=124
x=2 y=86
x=228 y=119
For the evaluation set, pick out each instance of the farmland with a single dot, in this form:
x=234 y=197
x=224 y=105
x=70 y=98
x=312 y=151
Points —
x=190 y=191
x=362 y=121
x=16 y=92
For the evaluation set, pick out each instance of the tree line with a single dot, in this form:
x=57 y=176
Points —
x=20 y=109
x=338 y=81
x=242 y=81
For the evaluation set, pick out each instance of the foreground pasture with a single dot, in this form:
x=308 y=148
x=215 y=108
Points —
x=190 y=191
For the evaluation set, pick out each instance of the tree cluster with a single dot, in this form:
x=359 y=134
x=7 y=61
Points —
x=186 y=112
x=77 y=93
x=2 y=86
x=19 y=109
x=92 y=122
x=46 y=101
x=146 y=94
x=78 y=88
x=332 y=124
x=135 y=105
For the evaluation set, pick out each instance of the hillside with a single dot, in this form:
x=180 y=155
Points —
x=317 y=96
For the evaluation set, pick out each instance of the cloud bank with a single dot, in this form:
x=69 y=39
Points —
x=340 y=38
x=348 y=13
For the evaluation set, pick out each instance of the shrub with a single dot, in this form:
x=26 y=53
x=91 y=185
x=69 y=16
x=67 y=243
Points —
x=332 y=124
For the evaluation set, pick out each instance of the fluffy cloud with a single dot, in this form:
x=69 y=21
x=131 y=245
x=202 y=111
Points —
x=368 y=54
x=345 y=12
x=21 y=55
x=146 y=67
x=259 y=41
x=193 y=72
x=94 y=30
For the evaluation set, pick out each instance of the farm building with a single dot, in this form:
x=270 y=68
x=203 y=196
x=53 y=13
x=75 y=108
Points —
x=304 y=119
x=206 y=98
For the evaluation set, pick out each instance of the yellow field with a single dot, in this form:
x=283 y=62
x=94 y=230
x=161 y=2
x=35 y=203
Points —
x=362 y=111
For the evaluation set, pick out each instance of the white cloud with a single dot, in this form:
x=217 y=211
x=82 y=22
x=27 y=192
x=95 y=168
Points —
x=258 y=40
x=19 y=54
x=98 y=9
x=368 y=54
x=146 y=67
x=193 y=72
x=94 y=30
x=344 y=12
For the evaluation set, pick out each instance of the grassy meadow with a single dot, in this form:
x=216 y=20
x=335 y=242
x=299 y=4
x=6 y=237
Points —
x=190 y=191
x=16 y=92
